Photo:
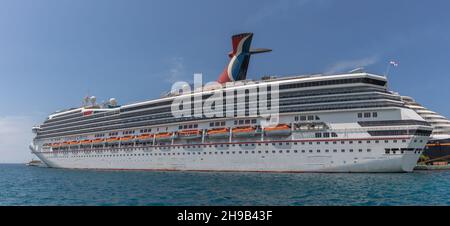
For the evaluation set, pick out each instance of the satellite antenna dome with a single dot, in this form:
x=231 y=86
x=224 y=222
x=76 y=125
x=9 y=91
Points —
x=113 y=101
x=93 y=99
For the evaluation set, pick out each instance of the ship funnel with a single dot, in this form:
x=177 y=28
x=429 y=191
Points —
x=239 y=58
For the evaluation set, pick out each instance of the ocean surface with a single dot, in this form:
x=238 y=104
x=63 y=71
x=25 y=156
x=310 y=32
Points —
x=22 y=185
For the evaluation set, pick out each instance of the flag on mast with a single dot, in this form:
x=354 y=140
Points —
x=393 y=63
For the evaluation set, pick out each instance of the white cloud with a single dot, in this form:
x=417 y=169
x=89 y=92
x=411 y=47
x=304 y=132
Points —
x=15 y=136
x=177 y=70
x=345 y=65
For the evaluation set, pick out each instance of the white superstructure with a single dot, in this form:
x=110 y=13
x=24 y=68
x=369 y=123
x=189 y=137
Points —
x=440 y=124
x=328 y=123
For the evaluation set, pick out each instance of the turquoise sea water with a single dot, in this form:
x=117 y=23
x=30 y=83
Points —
x=22 y=185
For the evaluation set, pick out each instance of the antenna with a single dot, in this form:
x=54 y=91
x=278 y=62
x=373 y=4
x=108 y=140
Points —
x=357 y=70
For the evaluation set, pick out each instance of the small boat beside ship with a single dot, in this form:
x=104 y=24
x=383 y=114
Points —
x=36 y=163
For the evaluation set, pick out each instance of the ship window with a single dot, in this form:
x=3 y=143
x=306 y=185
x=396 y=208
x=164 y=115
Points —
x=343 y=150
x=334 y=150
x=366 y=115
x=317 y=117
x=296 y=118
x=247 y=121
x=217 y=124
x=318 y=135
x=196 y=126
x=369 y=150
x=360 y=115
x=211 y=124
x=253 y=120
x=310 y=117
x=374 y=114
x=222 y=123
x=302 y=118
x=327 y=150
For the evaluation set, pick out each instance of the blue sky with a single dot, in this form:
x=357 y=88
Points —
x=53 y=52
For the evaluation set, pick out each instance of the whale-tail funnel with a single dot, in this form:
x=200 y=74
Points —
x=239 y=58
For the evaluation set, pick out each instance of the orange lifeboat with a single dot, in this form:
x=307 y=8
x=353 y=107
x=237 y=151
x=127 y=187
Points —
x=55 y=145
x=279 y=130
x=190 y=134
x=86 y=142
x=145 y=137
x=74 y=143
x=127 y=139
x=218 y=133
x=163 y=136
x=98 y=141
x=112 y=140
x=245 y=131
x=65 y=143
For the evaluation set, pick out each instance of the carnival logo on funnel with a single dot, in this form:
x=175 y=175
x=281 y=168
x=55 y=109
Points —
x=239 y=58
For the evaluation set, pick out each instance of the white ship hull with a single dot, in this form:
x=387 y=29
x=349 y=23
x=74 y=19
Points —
x=290 y=156
x=337 y=123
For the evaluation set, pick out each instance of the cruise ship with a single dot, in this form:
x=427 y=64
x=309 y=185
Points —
x=438 y=147
x=321 y=123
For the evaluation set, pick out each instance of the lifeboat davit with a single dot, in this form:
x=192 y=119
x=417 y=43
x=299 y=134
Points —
x=112 y=140
x=190 y=134
x=145 y=138
x=163 y=136
x=279 y=130
x=247 y=131
x=218 y=133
